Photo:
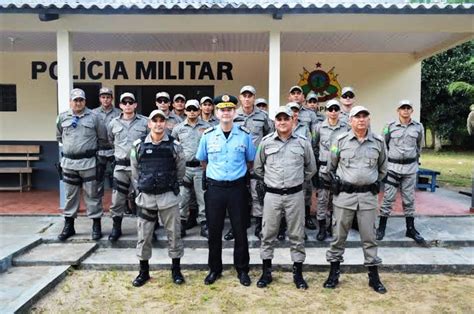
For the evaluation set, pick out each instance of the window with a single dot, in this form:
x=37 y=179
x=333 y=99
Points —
x=7 y=97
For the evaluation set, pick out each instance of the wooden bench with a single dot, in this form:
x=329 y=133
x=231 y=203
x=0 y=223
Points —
x=426 y=179
x=19 y=153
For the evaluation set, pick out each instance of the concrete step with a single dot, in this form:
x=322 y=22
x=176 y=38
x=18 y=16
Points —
x=20 y=287
x=439 y=232
x=14 y=246
x=417 y=260
x=55 y=254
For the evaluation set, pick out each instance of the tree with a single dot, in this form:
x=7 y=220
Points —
x=445 y=114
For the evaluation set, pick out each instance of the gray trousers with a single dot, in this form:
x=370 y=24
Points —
x=324 y=204
x=146 y=226
x=276 y=206
x=256 y=207
x=406 y=184
x=73 y=180
x=120 y=190
x=107 y=175
x=192 y=176
x=342 y=222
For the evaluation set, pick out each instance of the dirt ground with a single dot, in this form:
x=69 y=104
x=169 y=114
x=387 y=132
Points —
x=111 y=292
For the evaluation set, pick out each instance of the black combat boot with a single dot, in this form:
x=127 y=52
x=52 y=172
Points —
x=333 y=278
x=96 y=229
x=298 y=279
x=374 y=280
x=229 y=235
x=68 y=230
x=381 y=228
x=412 y=233
x=183 y=228
x=143 y=275
x=308 y=222
x=116 y=229
x=204 y=230
x=282 y=230
x=258 y=227
x=322 y=230
x=176 y=274
x=266 y=277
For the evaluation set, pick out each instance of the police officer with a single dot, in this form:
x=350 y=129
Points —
x=308 y=117
x=325 y=133
x=313 y=104
x=284 y=160
x=81 y=134
x=358 y=163
x=158 y=167
x=178 y=105
x=188 y=133
x=347 y=101
x=105 y=156
x=163 y=103
x=262 y=104
x=404 y=139
x=207 y=110
x=122 y=132
x=259 y=124
x=227 y=153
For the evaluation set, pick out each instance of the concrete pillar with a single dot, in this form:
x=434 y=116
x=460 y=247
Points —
x=274 y=72
x=65 y=83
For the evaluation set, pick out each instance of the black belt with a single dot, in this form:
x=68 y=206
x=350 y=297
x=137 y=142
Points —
x=402 y=161
x=122 y=162
x=87 y=154
x=193 y=163
x=225 y=183
x=349 y=188
x=323 y=163
x=285 y=191
x=157 y=191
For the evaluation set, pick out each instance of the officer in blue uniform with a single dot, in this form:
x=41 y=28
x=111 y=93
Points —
x=226 y=152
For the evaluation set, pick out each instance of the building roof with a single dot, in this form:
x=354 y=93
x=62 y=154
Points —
x=225 y=7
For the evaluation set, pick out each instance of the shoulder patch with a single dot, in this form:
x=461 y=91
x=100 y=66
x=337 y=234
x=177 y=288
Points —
x=244 y=129
x=137 y=142
x=209 y=129
x=334 y=149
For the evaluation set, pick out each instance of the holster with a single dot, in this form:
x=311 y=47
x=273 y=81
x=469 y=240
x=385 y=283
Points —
x=335 y=183
x=59 y=169
x=131 y=203
x=375 y=188
x=176 y=188
x=100 y=171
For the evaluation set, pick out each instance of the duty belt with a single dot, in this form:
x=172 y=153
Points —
x=87 y=154
x=285 y=191
x=122 y=162
x=193 y=163
x=323 y=163
x=225 y=183
x=157 y=191
x=349 y=188
x=402 y=161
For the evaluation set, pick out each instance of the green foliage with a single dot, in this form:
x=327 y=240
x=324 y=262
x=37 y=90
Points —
x=441 y=112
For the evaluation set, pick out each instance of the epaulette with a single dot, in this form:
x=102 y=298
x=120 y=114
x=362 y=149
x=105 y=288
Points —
x=341 y=136
x=302 y=136
x=244 y=129
x=209 y=129
x=378 y=137
x=267 y=136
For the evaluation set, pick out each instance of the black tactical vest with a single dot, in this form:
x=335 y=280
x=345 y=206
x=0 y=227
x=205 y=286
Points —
x=157 y=168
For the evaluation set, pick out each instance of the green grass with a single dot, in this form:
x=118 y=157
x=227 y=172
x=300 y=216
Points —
x=455 y=167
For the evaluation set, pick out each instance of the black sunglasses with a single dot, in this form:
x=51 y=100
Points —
x=405 y=107
x=348 y=95
x=128 y=102
x=162 y=100
x=192 y=109
x=331 y=109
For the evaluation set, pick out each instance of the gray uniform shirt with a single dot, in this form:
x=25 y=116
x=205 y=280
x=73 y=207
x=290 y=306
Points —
x=172 y=120
x=284 y=164
x=122 y=134
x=308 y=117
x=257 y=122
x=106 y=117
x=302 y=130
x=88 y=135
x=324 y=135
x=358 y=163
x=167 y=199
x=403 y=142
x=189 y=135
x=212 y=120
